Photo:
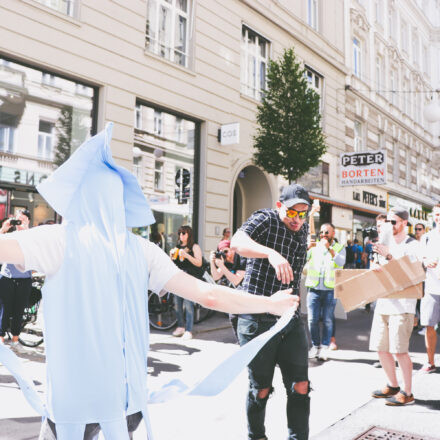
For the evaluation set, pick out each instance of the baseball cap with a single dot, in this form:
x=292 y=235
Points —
x=293 y=194
x=400 y=212
x=224 y=244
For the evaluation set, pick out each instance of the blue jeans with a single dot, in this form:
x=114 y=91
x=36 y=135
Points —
x=188 y=307
x=320 y=303
x=288 y=349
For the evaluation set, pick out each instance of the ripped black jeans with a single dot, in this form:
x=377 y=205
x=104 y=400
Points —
x=288 y=349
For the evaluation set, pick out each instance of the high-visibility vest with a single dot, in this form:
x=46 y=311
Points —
x=328 y=265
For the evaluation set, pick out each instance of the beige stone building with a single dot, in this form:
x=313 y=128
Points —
x=170 y=74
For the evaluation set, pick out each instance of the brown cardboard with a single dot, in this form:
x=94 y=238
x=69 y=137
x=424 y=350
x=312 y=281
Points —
x=400 y=278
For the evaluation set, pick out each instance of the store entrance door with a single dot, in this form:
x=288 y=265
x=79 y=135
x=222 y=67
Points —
x=251 y=192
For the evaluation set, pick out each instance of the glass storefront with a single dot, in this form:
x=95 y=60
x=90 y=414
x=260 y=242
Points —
x=43 y=119
x=164 y=161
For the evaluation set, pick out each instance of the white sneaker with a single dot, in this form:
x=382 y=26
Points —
x=187 y=335
x=314 y=352
x=324 y=353
x=179 y=331
x=422 y=332
x=18 y=348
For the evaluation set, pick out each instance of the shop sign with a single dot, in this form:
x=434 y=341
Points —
x=370 y=198
x=366 y=168
x=24 y=177
x=159 y=200
x=415 y=210
x=229 y=134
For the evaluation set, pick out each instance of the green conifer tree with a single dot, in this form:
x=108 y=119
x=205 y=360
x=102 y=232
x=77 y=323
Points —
x=289 y=139
x=63 y=129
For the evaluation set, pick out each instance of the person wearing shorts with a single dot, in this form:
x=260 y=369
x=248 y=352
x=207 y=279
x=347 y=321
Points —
x=394 y=318
x=430 y=305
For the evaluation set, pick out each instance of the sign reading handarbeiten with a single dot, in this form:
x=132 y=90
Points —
x=363 y=168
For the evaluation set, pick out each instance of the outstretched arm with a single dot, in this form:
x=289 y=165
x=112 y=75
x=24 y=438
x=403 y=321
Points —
x=229 y=300
x=10 y=252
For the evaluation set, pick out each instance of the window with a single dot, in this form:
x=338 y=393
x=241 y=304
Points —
x=167 y=31
x=357 y=55
x=316 y=180
x=312 y=13
x=358 y=141
x=406 y=97
x=138 y=117
x=379 y=74
x=159 y=183
x=254 y=59
x=404 y=36
x=315 y=82
x=415 y=48
x=392 y=24
x=396 y=162
x=48 y=79
x=378 y=10
x=425 y=60
x=179 y=129
x=45 y=140
x=64 y=6
x=7 y=132
x=158 y=123
x=393 y=87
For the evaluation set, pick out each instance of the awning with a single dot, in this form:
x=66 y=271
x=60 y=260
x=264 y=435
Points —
x=170 y=208
x=346 y=205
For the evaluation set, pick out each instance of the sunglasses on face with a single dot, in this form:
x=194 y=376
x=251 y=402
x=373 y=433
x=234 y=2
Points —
x=419 y=229
x=393 y=222
x=182 y=233
x=323 y=232
x=292 y=213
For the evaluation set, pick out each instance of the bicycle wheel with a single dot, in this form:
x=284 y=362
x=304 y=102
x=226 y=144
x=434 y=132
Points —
x=200 y=313
x=161 y=311
x=30 y=334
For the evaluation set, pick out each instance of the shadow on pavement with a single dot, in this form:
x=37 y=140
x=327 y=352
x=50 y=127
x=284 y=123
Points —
x=156 y=366
x=430 y=404
x=20 y=428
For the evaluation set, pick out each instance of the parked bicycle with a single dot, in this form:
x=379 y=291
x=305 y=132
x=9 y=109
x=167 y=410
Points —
x=31 y=335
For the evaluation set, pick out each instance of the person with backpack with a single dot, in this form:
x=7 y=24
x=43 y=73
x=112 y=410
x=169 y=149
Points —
x=394 y=318
x=350 y=262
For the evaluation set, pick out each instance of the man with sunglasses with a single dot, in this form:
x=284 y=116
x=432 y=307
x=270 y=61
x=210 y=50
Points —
x=274 y=241
x=324 y=257
x=419 y=230
x=394 y=318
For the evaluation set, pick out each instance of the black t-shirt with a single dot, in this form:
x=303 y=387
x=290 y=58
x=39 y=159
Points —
x=188 y=267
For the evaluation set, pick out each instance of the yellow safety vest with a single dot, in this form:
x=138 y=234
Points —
x=327 y=264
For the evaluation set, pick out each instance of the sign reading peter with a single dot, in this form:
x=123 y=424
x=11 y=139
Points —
x=366 y=168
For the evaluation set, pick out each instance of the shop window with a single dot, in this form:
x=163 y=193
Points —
x=167 y=29
x=254 y=60
x=312 y=13
x=7 y=133
x=45 y=140
x=66 y=7
x=316 y=180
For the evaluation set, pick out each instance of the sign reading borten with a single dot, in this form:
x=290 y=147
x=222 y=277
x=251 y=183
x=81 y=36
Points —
x=367 y=168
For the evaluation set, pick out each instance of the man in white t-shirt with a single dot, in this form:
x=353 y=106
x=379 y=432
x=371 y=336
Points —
x=394 y=318
x=430 y=305
x=98 y=274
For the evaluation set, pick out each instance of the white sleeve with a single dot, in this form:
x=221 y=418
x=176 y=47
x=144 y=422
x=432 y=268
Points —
x=160 y=267
x=42 y=247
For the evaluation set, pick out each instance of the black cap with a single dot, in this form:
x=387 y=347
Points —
x=293 y=194
x=400 y=212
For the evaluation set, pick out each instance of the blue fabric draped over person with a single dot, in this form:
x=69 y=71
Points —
x=95 y=304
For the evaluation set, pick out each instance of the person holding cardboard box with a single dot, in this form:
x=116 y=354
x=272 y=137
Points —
x=394 y=318
x=430 y=305
x=323 y=258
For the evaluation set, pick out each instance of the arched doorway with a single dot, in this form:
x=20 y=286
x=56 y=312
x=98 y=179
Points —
x=251 y=192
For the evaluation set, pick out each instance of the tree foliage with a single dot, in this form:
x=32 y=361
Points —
x=289 y=139
x=63 y=129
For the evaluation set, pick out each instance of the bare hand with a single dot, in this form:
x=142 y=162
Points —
x=325 y=242
x=282 y=267
x=376 y=267
x=283 y=300
x=5 y=226
x=183 y=253
x=219 y=263
x=431 y=263
x=381 y=249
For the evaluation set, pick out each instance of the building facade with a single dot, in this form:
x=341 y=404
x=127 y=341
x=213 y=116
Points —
x=171 y=74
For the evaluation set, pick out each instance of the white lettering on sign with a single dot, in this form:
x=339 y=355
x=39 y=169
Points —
x=365 y=168
x=230 y=134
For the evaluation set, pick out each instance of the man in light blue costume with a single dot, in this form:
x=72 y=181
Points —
x=95 y=302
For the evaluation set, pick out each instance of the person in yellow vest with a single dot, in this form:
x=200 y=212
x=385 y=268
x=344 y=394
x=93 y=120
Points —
x=323 y=258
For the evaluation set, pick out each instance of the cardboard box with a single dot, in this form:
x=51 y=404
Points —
x=400 y=278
